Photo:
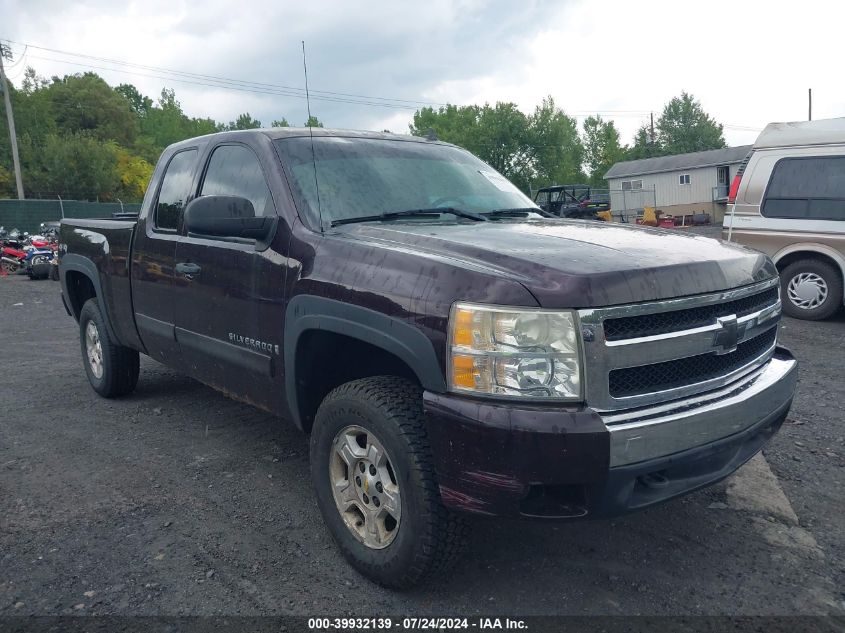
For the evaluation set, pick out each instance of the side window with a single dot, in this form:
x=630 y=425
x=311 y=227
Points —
x=234 y=170
x=175 y=189
x=807 y=189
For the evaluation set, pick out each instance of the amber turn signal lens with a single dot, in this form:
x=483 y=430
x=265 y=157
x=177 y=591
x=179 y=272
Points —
x=462 y=333
x=463 y=372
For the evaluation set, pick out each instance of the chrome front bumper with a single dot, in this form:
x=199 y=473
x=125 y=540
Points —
x=647 y=433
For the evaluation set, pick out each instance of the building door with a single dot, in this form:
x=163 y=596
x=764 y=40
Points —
x=722 y=180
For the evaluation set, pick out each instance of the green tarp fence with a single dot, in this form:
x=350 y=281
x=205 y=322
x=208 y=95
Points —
x=26 y=215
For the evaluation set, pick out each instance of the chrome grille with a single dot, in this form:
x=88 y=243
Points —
x=649 y=353
x=671 y=374
x=676 y=320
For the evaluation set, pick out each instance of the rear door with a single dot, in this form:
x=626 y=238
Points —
x=223 y=324
x=153 y=254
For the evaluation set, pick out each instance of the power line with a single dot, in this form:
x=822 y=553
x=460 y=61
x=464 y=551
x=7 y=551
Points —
x=223 y=86
x=225 y=80
x=240 y=85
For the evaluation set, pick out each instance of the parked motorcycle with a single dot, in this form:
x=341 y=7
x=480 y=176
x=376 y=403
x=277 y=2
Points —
x=30 y=254
x=12 y=253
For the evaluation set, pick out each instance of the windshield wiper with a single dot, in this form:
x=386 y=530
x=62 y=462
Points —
x=391 y=215
x=517 y=212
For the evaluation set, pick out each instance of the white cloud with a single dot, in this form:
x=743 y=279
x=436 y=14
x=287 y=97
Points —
x=748 y=62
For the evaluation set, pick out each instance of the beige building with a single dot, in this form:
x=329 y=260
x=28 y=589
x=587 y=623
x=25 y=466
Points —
x=679 y=185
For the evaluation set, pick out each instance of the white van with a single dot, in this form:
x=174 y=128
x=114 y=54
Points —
x=789 y=202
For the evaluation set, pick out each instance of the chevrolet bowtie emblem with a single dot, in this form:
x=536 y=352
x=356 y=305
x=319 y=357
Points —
x=727 y=335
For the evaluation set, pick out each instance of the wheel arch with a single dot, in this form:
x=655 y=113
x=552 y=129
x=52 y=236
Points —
x=809 y=250
x=329 y=342
x=80 y=281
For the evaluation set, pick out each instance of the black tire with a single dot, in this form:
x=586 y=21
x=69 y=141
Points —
x=429 y=538
x=119 y=366
x=54 y=273
x=831 y=279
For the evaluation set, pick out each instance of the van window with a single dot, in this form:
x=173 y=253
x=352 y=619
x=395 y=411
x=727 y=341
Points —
x=810 y=188
x=175 y=189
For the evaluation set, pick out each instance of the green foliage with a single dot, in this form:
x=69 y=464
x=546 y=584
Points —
x=555 y=147
x=643 y=147
x=138 y=103
x=684 y=127
x=86 y=103
x=601 y=149
x=244 y=122
x=74 y=165
x=531 y=150
x=80 y=138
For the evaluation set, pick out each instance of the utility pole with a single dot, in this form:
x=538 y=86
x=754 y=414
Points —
x=652 y=133
x=6 y=53
x=810 y=105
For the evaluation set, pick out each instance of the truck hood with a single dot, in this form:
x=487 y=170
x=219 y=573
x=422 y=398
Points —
x=580 y=264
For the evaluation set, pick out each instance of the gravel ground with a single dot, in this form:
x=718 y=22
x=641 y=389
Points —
x=177 y=500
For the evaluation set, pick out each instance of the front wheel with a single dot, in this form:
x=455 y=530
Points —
x=375 y=484
x=810 y=289
x=111 y=368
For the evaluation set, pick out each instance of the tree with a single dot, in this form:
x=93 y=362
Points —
x=643 y=147
x=531 y=150
x=75 y=165
x=283 y=122
x=138 y=103
x=555 y=147
x=601 y=149
x=244 y=122
x=86 y=103
x=134 y=174
x=684 y=127
x=313 y=122
x=496 y=134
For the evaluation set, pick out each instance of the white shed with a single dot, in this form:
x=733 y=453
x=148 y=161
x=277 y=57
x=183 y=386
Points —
x=680 y=184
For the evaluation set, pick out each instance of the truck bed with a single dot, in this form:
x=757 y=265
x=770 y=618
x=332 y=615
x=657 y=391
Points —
x=106 y=245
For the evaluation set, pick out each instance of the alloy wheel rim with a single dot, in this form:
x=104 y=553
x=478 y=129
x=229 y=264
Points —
x=365 y=487
x=94 y=349
x=807 y=290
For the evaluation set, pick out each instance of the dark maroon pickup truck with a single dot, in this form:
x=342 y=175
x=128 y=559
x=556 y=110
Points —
x=448 y=348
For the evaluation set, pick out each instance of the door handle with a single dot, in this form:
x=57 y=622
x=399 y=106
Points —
x=188 y=269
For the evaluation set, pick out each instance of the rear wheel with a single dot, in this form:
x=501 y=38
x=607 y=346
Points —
x=111 y=368
x=375 y=484
x=810 y=289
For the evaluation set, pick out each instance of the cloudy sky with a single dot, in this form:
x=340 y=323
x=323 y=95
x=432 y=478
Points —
x=372 y=63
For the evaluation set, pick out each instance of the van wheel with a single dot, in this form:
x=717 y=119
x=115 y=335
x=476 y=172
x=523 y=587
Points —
x=810 y=289
x=112 y=369
x=375 y=485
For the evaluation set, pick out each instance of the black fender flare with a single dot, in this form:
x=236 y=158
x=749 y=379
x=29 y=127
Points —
x=78 y=263
x=397 y=337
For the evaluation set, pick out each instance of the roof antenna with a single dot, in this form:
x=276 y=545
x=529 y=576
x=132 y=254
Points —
x=311 y=134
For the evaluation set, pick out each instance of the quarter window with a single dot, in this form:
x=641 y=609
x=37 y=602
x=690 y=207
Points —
x=175 y=189
x=234 y=170
x=810 y=188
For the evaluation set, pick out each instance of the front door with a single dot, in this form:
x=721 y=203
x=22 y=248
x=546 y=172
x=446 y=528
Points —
x=220 y=314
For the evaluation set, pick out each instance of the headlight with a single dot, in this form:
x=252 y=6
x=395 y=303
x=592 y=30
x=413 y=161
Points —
x=514 y=352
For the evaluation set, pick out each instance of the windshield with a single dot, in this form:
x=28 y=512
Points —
x=365 y=177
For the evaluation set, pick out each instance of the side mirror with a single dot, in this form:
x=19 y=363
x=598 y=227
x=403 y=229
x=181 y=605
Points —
x=225 y=216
